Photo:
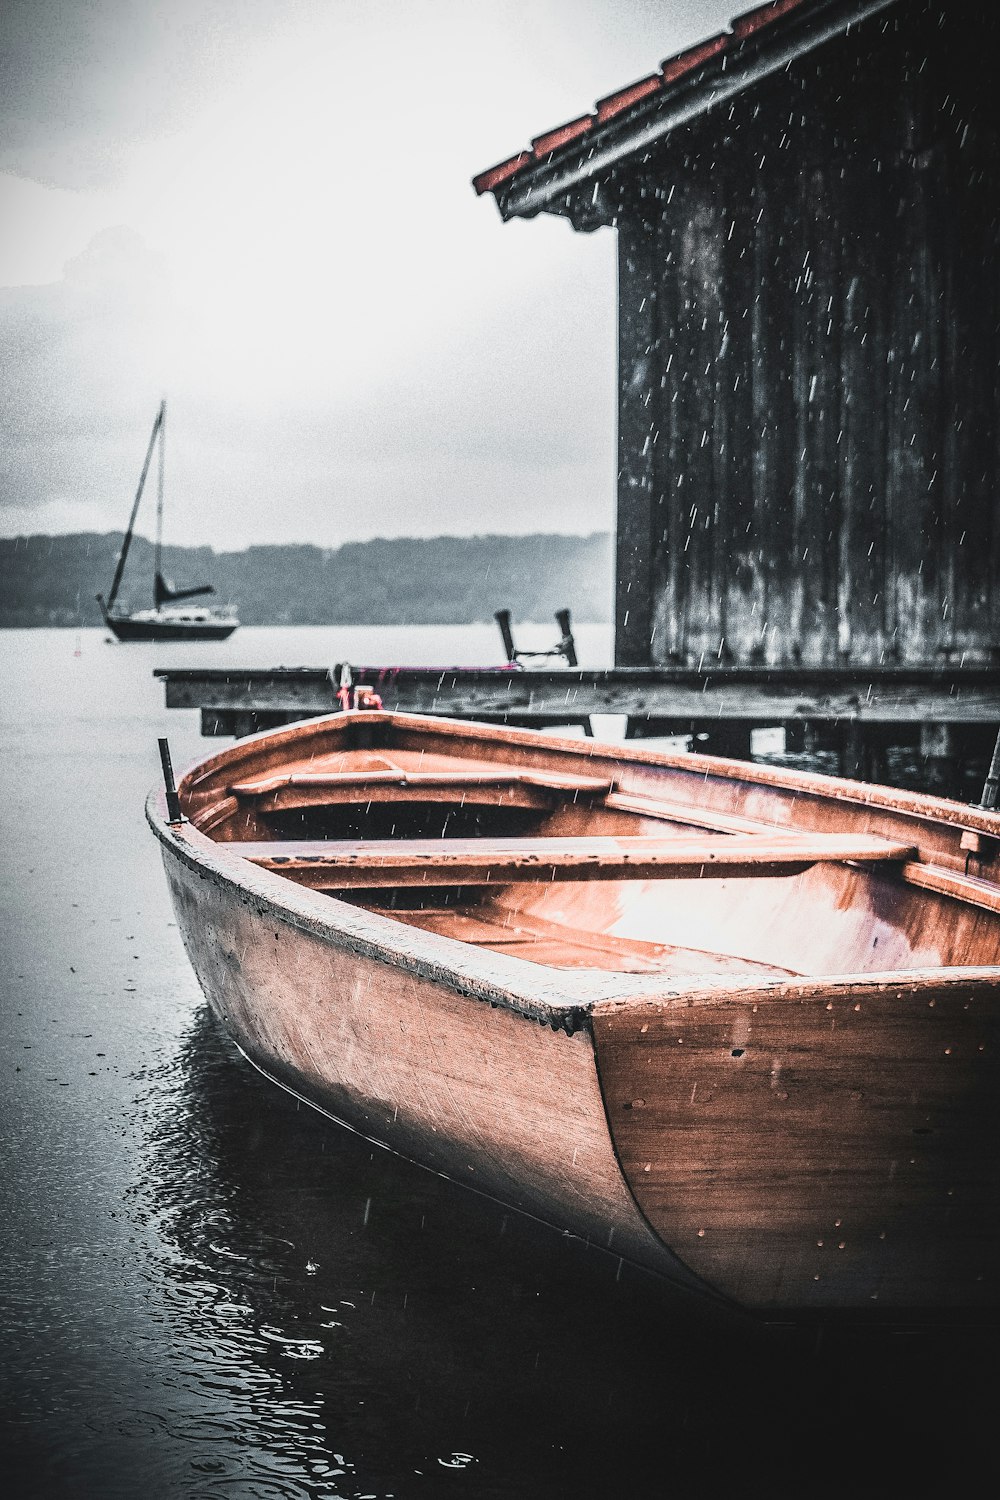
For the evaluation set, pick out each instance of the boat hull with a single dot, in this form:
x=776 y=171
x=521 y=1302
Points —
x=777 y=1088
x=125 y=629
x=490 y=1097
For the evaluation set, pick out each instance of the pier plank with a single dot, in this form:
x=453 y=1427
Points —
x=950 y=694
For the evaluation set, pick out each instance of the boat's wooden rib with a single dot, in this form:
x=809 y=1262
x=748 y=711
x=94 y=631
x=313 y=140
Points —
x=768 y=1063
x=350 y=864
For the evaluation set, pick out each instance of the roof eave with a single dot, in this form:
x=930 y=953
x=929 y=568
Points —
x=548 y=186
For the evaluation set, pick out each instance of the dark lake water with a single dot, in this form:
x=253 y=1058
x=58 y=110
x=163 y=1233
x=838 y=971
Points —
x=207 y=1291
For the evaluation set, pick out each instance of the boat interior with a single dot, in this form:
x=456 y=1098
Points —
x=582 y=861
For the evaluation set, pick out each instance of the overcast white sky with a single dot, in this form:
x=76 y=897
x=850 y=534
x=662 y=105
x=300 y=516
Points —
x=262 y=209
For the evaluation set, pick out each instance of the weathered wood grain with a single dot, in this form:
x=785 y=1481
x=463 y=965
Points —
x=943 y=693
x=828 y=248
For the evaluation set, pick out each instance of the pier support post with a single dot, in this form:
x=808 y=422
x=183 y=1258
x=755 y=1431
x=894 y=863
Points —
x=940 y=756
x=798 y=737
x=729 y=737
x=641 y=727
x=862 y=751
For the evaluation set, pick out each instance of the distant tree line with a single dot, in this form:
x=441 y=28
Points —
x=445 y=580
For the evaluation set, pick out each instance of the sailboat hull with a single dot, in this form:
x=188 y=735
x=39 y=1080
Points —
x=126 y=629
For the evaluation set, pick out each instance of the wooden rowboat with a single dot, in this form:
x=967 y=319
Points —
x=734 y=1023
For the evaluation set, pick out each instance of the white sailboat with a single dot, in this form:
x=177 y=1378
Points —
x=169 y=619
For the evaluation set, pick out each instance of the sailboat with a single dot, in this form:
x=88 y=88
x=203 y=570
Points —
x=169 y=619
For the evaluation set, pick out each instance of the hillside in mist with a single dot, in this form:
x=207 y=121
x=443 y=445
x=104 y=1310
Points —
x=53 y=580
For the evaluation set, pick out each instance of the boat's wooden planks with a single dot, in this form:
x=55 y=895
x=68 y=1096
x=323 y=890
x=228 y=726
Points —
x=816 y=1143
x=346 y=864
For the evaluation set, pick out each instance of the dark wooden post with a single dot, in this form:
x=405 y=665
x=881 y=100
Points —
x=174 y=814
x=502 y=618
x=730 y=737
x=567 y=645
x=638 y=372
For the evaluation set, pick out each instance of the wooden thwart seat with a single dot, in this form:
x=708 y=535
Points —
x=350 y=864
x=390 y=784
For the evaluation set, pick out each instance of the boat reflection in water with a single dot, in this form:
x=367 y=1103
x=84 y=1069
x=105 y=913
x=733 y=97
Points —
x=348 y=1319
x=345 y=1324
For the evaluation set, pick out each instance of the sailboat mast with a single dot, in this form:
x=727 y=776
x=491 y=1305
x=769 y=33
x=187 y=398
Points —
x=159 y=491
x=123 y=554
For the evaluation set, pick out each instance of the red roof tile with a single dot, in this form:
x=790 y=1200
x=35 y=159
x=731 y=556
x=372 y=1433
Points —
x=686 y=62
x=671 y=71
x=615 y=103
x=493 y=176
x=561 y=136
x=761 y=15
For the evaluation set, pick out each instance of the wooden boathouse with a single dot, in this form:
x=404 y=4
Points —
x=808 y=509
x=807 y=217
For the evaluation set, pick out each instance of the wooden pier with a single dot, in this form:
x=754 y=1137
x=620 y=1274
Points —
x=947 y=714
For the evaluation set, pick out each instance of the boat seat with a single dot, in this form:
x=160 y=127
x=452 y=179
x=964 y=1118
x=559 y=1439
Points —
x=516 y=786
x=352 y=864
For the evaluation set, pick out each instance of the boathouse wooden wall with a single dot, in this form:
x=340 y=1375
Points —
x=809 y=348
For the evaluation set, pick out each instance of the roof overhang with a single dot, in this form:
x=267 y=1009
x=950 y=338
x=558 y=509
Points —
x=578 y=156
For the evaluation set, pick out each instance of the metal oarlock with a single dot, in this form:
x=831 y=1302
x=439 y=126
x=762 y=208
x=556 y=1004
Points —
x=174 y=814
x=566 y=647
x=991 y=790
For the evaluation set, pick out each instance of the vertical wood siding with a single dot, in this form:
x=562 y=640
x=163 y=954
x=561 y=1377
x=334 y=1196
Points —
x=809 y=354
